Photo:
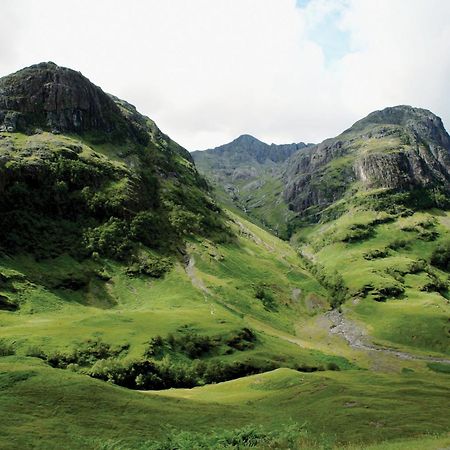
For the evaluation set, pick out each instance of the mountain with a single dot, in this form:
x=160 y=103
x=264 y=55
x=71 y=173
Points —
x=246 y=174
x=83 y=172
x=372 y=221
x=398 y=149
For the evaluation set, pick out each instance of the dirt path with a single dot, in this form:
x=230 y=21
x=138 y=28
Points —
x=357 y=338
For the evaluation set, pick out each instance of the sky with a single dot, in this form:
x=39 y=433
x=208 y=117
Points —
x=208 y=71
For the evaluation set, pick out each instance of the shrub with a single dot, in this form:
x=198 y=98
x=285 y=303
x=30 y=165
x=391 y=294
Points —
x=357 y=232
x=148 y=228
x=250 y=436
x=397 y=244
x=86 y=354
x=109 y=239
x=439 y=367
x=332 y=366
x=164 y=374
x=242 y=340
x=6 y=304
x=376 y=253
x=441 y=256
x=331 y=280
x=262 y=293
x=151 y=266
x=35 y=352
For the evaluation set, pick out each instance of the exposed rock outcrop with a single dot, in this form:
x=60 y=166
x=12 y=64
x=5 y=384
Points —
x=398 y=148
x=60 y=100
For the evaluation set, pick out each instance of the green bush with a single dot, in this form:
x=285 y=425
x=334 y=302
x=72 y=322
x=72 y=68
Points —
x=357 y=232
x=250 y=436
x=331 y=280
x=110 y=239
x=263 y=293
x=151 y=266
x=441 y=256
x=85 y=354
x=376 y=253
x=398 y=244
x=439 y=367
x=168 y=373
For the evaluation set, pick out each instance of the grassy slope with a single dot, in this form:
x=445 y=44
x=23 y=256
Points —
x=132 y=310
x=218 y=298
x=50 y=408
x=415 y=319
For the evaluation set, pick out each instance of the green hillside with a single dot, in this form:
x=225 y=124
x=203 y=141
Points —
x=139 y=311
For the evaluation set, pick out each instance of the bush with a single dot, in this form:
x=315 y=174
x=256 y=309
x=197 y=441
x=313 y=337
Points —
x=441 y=256
x=332 y=366
x=166 y=373
x=196 y=346
x=397 y=244
x=109 y=239
x=243 y=340
x=6 y=304
x=148 y=228
x=86 y=354
x=357 y=232
x=376 y=253
x=250 y=436
x=263 y=293
x=151 y=266
x=331 y=280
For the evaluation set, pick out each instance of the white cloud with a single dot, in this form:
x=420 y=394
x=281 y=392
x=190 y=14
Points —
x=209 y=70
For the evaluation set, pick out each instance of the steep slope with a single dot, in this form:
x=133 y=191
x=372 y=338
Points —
x=84 y=173
x=246 y=174
x=399 y=149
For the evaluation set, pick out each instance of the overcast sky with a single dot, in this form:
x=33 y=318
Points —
x=209 y=70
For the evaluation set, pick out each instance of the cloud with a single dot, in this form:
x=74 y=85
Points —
x=209 y=70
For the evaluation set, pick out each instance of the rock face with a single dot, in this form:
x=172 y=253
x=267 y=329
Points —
x=399 y=148
x=60 y=100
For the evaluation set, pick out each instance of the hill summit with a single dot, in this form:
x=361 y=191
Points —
x=398 y=149
x=83 y=172
x=57 y=98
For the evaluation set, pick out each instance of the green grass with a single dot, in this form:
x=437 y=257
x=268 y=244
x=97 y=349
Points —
x=389 y=263
x=50 y=408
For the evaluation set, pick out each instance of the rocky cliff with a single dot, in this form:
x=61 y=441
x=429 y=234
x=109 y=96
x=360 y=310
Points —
x=400 y=149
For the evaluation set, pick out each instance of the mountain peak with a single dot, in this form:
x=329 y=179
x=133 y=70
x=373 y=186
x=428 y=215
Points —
x=52 y=97
x=247 y=139
x=418 y=121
